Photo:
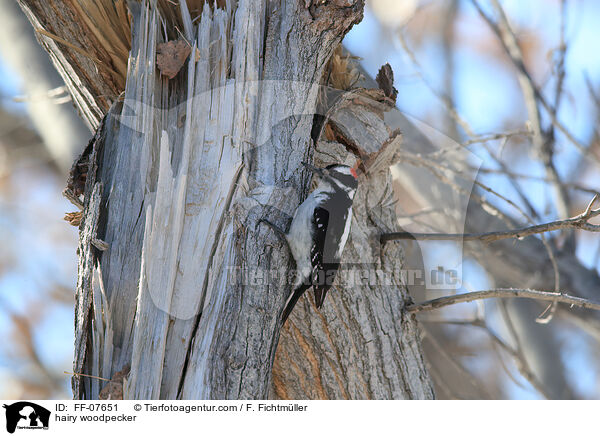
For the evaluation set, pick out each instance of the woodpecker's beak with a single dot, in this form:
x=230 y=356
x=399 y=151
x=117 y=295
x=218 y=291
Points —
x=318 y=171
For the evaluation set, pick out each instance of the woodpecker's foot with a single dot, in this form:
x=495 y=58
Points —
x=276 y=229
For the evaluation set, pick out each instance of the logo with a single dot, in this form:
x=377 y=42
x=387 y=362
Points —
x=26 y=415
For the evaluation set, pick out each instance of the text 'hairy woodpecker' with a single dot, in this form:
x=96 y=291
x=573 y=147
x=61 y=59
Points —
x=319 y=231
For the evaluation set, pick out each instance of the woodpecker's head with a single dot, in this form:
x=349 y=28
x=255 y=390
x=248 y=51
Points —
x=339 y=177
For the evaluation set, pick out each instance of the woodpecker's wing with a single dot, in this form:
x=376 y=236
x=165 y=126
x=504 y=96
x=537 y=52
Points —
x=319 y=224
x=323 y=270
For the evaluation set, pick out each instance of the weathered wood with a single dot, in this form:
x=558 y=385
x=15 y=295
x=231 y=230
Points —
x=185 y=179
x=91 y=71
x=361 y=344
x=88 y=254
x=187 y=169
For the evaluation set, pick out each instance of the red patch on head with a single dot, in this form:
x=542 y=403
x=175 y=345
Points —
x=353 y=172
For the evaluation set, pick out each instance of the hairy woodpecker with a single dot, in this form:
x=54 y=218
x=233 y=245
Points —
x=319 y=231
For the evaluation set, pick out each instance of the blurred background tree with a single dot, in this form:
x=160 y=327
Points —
x=40 y=134
x=476 y=70
x=516 y=82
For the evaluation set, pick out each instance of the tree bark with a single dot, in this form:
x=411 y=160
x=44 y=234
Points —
x=361 y=345
x=181 y=172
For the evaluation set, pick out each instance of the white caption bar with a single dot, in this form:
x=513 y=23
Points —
x=299 y=417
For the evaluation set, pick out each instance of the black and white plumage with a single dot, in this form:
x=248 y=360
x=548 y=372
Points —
x=319 y=232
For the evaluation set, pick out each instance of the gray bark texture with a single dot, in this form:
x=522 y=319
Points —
x=177 y=280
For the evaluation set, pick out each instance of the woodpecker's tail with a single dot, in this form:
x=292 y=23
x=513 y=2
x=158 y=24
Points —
x=320 y=294
x=291 y=302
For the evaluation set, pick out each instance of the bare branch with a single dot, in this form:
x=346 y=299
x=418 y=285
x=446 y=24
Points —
x=541 y=141
x=518 y=353
x=576 y=222
x=503 y=293
x=510 y=45
x=513 y=175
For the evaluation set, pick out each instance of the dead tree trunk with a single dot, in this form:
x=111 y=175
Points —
x=176 y=279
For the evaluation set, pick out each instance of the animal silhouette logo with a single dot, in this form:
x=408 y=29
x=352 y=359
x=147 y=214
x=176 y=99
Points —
x=26 y=415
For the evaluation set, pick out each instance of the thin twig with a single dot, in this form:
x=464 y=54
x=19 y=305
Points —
x=577 y=222
x=440 y=171
x=530 y=209
x=419 y=160
x=453 y=362
x=86 y=375
x=518 y=353
x=496 y=136
x=510 y=174
x=442 y=97
x=470 y=132
x=542 y=142
x=502 y=293
x=509 y=44
x=519 y=359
